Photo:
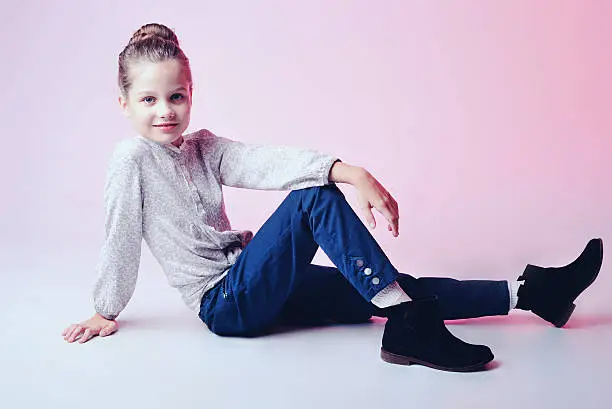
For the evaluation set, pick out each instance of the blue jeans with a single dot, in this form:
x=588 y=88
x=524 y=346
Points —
x=273 y=281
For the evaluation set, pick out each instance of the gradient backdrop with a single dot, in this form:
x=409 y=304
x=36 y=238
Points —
x=489 y=121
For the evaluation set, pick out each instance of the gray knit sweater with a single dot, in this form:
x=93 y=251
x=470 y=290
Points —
x=172 y=197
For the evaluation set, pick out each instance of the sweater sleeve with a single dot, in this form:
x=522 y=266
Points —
x=271 y=167
x=120 y=255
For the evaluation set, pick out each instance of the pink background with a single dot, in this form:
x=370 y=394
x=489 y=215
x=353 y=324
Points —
x=488 y=121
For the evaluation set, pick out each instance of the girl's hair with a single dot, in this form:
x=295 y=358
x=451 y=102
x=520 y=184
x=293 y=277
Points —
x=152 y=42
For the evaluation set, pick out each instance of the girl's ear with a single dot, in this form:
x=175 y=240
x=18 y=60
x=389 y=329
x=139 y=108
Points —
x=123 y=105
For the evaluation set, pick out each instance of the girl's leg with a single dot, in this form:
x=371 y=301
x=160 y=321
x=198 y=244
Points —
x=250 y=298
x=461 y=299
x=268 y=271
x=323 y=295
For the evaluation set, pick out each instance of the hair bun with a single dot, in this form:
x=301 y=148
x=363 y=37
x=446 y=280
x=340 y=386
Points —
x=152 y=30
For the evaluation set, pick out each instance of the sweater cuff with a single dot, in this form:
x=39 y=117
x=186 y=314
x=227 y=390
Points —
x=106 y=315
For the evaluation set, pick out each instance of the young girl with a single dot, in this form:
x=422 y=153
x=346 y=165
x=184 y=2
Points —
x=166 y=187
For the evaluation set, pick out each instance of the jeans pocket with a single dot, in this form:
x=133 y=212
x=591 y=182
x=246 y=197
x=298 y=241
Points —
x=226 y=291
x=213 y=300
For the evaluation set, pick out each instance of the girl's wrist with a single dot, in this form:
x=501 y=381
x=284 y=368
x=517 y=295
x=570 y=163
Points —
x=344 y=173
x=98 y=315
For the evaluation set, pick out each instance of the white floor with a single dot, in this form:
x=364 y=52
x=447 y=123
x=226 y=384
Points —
x=164 y=357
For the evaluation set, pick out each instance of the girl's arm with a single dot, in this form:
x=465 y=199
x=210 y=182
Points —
x=120 y=254
x=268 y=167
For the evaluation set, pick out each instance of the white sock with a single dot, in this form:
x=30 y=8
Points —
x=513 y=287
x=390 y=295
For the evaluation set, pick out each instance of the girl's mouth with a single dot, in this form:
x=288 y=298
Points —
x=166 y=127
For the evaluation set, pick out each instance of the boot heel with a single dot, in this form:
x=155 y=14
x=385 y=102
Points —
x=565 y=317
x=557 y=316
x=394 y=359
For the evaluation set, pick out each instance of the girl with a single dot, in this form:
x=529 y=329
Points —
x=166 y=187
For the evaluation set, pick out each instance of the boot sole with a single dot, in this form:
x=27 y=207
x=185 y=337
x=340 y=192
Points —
x=406 y=360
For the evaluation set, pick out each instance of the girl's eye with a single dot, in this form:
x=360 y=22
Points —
x=174 y=97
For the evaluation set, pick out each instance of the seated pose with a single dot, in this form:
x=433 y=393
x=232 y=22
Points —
x=166 y=187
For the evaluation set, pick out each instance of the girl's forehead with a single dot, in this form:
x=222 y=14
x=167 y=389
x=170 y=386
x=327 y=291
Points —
x=157 y=74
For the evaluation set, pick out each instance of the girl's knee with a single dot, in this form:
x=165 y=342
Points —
x=327 y=192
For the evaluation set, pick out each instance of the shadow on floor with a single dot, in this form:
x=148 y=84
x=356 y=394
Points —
x=576 y=322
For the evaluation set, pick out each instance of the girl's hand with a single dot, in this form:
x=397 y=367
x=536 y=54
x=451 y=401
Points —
x=373 y=194
x=96 y=325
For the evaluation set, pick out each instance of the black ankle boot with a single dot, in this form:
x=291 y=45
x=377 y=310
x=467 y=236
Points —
x=415 y=334
x=550 y=292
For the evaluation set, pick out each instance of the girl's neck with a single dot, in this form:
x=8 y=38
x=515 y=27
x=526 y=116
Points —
x=178 y=142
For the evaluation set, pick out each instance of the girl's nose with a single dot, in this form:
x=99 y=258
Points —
x=166 y=112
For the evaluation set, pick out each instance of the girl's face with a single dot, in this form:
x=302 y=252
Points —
x=160 y=94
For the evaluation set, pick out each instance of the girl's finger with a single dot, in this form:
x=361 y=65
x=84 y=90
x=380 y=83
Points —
x=87 y=335
x=387 y=213
x=392 y=219
x=366 y=208
x=394 y=231
x=75 y=332
x=395 y=213
x=67 y=330
x=370 y=218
